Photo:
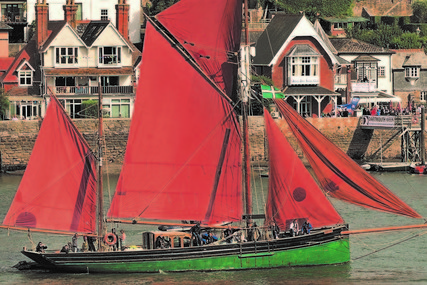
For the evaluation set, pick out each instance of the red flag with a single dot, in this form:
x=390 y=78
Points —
x=328 y=108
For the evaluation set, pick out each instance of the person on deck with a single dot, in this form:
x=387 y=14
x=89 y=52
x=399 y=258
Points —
x=306 y=227
x=122 y=239
x=275 y=230
x=116 y=245
x=227 y=234
x=85 y=245
x=74 y=246
x=294 y=228
x=40 y=247
x=195 y=233
x=65 y=249
x=90 y=241
x=253 y=233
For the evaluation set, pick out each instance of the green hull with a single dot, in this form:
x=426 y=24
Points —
x=334 y=252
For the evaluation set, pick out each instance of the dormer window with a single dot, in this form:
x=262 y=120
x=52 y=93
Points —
x=110 y=55
x=412 y=71
x=303 y=66
x=67 y=55
x=340 y=26
x=25 y=77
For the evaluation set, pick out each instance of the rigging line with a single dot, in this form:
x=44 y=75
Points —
x=399 y=242
x=269 y=42
x=220 y=123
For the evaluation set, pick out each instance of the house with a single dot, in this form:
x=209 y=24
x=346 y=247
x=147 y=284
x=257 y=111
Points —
x=371 y=73
x=71 y=60
x=409 y=68
x=299 y=61
x=336 y=26
x=20 y=15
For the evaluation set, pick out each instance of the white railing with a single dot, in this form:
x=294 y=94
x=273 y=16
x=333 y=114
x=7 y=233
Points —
x=92 y=90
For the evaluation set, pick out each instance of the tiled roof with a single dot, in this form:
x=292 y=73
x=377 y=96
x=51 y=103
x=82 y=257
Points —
x=5 y=63
x=409 y=57
x=20 y=91
x=274 y=36
x=353 y=46
x=89 y=71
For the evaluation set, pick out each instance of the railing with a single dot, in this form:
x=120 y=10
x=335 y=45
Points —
x=92 y=90
x=13 y=19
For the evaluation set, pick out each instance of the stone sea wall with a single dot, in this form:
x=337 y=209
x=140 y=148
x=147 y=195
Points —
x=17 y=139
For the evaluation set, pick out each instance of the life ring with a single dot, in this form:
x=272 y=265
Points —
x=110 y=239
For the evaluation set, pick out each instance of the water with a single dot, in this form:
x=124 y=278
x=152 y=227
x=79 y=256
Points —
x=405 y=262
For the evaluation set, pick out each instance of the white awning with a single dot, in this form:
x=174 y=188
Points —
x=382 y=97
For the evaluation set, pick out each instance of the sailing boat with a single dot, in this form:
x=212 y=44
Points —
x=183 y=162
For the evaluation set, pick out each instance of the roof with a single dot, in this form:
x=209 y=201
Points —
x=353 y=46
x=18 y=93
x=274 y=36
x=324 y=36
x=409 y=57
x=342 y=61
x=345 y=19
x=309 y=90
x=5 y=63
x=366 y=57
x=54 y=27
x=93 y=30
x=3 y=26
x=89 y=71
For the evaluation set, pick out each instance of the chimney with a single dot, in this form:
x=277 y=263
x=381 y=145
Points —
x=122 y=18
x=70 y=11
x=42 y=15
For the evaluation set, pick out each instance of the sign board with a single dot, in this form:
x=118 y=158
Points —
x=378 y=121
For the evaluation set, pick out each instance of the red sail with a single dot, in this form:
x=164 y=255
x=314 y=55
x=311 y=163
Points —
x=174 y=146
x=292 y=192
x=57 y=191
x=338 y=174
x=210 y=31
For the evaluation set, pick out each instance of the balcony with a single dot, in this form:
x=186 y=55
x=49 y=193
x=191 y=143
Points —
x=12 y=19
x=363 y=87
x=92 y=90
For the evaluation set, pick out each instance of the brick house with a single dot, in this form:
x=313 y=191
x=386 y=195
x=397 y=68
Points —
x=299 y=61
x=69 y=58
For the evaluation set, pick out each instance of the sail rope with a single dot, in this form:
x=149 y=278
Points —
x=416 y=193
x=391 y=245
x=30 y=238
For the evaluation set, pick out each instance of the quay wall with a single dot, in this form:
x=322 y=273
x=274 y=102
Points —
x=17 y=139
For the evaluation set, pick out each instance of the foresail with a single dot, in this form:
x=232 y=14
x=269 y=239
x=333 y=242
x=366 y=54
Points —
x=338 y=174
x=210 y=31
x=176 y=138
x=57 y=191
x=292 y=192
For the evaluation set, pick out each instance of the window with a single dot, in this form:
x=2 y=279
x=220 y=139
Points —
x=79 y=13
x=119 y=108
x=381 y=71
x=423 y=95
x=67 y=55
x=304 y=66
x=366 y=71
x=25 y=77
x=104 y=15
x=110 y=55
x=340 y=26
x=411 y=71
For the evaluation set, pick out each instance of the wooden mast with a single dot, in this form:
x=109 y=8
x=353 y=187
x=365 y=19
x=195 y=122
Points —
x=245 y=89
x=422 y=146
x=101 y=230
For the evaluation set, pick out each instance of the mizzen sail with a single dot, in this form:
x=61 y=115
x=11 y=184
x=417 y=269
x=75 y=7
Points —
x=292 y=192
x=57 y=191
x=175 y=144
x=338 y=174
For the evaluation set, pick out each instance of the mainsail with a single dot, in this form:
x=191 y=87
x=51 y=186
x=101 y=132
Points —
x=339 y=175
x=292 y=192
x=212 y=37
x=178 y=134
x=57 y=191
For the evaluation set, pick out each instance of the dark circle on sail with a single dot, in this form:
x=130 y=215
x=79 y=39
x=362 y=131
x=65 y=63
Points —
x=299 y=194
x=26 y=219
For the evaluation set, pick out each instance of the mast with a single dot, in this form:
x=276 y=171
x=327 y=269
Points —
x=423 y=126
x=245 y=89
x=100 y=187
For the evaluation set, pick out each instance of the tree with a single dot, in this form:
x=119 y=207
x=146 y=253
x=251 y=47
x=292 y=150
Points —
x=315 y=8
x=157 y=6
x=90 y=109
x=4 y=103
x=419 y=10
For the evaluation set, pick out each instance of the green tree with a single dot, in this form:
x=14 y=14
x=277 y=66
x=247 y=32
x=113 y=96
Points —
x=90 y=109
x=157 y=6
x=4 y=103
x=419 y=10
x=315 y=8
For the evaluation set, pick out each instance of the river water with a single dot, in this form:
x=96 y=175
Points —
x=404 y=259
